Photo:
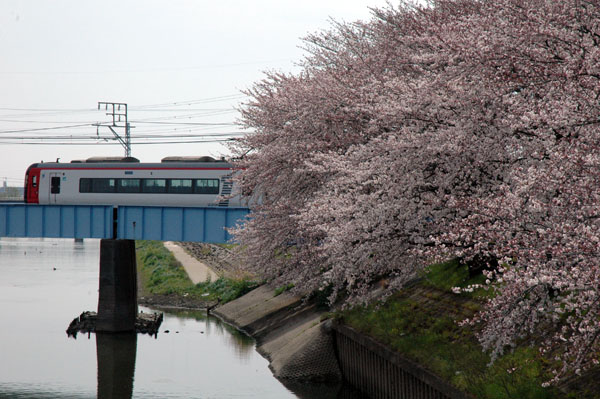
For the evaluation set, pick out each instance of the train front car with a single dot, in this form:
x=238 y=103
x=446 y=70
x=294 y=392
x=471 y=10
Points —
x=32 y=180
x=101 y=181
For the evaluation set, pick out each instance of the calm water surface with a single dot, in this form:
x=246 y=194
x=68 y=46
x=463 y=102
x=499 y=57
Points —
x=45 y=283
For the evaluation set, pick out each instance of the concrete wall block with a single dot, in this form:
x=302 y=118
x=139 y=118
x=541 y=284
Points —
x=289 y=334
x=304 y=352
x=255 y=310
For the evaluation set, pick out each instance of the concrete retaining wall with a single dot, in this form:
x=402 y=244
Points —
x=301 y=347
x=289 y=333
x=384 y=374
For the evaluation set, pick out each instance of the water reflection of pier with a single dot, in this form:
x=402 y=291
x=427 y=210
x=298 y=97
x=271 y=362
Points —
x=116 y=355
x=116 y=352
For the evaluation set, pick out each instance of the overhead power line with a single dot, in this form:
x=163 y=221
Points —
x=49 y=109
x=178 y=122
x=42 y=112
x=180 y=110
x=44 y=128
x=192 y=102
x=175 y=130
x=205 y=100
x=188 y=116
x=32 y=121
x=115 y=143
x=87 y=136
x=187 y=123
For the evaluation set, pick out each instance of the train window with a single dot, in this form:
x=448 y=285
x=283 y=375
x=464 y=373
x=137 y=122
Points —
x=89 y=185
x=103 y=185
x=128 y=185
x=154 y=185
x=55 y=185
x=34 y=181
x=85 y=185
x=206 y=186
x=180 y=186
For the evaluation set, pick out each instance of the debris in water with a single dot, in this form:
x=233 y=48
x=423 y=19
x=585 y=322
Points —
x=145 y=323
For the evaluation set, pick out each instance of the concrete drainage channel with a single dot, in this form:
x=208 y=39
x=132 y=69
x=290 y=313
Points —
x=301 y=347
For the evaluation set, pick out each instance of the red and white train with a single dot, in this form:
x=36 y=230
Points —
x=176 y=181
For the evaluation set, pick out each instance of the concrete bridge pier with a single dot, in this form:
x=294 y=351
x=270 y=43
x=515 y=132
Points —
x=117 y=300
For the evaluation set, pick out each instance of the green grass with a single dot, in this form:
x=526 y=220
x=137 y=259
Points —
x=227 y=289
x=283 y=288
x=162 y=274
x=447 y=275
x=421 y=323
x=228 y=246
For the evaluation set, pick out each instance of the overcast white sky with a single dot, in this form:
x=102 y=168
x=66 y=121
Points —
x=191 y=57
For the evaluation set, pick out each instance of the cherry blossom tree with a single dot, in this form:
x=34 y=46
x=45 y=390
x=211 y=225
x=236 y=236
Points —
x=544 y=222
x=545 y=228
x=454 y=129
x=361 y=82
x=319 y=110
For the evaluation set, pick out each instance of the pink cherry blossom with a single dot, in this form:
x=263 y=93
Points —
x=459 y=128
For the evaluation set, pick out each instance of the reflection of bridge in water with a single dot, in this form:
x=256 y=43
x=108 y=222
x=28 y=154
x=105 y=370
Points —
x=118 y=227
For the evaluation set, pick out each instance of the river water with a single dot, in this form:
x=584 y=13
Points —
x=45 y=283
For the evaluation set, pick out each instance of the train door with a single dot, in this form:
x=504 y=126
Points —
x=54 y=187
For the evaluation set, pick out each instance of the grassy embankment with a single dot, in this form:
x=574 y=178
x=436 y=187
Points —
x=161 y=274
x=421 y=323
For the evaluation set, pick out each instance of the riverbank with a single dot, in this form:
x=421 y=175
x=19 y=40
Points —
x=289 y=332
x=419 y=323
x=163 y=282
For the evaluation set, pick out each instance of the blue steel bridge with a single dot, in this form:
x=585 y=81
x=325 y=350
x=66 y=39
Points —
x=117 y=227
x=202 y=224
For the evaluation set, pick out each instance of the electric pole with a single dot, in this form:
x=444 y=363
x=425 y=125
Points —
x=118 y=111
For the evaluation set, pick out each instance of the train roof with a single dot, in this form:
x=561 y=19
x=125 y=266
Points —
x=134 y=165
